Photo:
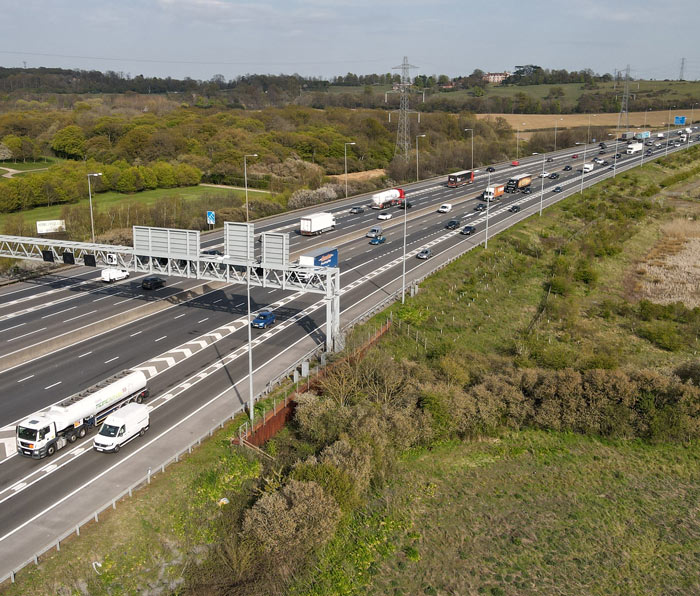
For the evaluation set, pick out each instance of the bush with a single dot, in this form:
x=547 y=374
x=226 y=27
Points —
x=334 y=481
x=663 y=334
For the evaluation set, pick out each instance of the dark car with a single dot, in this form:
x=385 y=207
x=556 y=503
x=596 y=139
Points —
x=557 y=189
x=602 y=145
x=567 y=168
x=355 y=210
x=378 y=240
x=426 y=253
x=649 y=152
x=550 y=159
x=480 y=207
x=263 y=320
x=553 y=176
x=490 y=169
x=601 y=152
x=152 y=282
x=405 y=205
x=453 y=224
x=574 y=156
x=527 y=190
x=514 y=208
x=617 y=156
x=605 y=163
x=468 y=230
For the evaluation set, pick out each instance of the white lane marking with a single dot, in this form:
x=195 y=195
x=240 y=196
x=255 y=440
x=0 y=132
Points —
x=161 y=338
x=18 y=486
x=103 y=297
x=135 y=334
x=111 y=359
x=25 y=378
x=202 y=321
x=216 y=301
x=85 y=314
x=25 y=335
x=59 y=312
x=49 y=387
x=13 y=327
x=86 y=354
x=123 y=301
x=178 y=316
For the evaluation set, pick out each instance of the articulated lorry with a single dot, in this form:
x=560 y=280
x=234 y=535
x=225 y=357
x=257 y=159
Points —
x=517 y=183
x=388 y=198
x=44 y=433
x=321 y=257
x=317 y=223
x=459 y=178
x=493 y=192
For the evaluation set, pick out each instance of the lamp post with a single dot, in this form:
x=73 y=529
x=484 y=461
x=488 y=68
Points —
x=555 y=133
x=692 y=110
x=542 y=187
x=92 y=220
x=472 y=131
x=583 y=165
x=488 y=204
x=251 y=396
x=245 y=178
x=346 y=168
x=645 y=116
x=417 y=137
x=588 y=134
x=615 y=157
x=668 y=130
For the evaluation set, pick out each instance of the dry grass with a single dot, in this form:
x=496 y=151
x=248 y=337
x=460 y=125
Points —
x=547 y=121
x=670 y=272
x=360 y=176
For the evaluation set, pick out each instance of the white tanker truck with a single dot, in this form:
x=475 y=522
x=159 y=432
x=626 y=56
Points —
x=43 y=433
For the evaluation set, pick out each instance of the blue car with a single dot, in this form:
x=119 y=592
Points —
x=378 y=240
x=263 y=320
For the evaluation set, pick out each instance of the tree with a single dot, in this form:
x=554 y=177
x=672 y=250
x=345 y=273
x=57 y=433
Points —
x=69 y=142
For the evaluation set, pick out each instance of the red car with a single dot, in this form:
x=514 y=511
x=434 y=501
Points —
x=515 y=162
x=574 y=156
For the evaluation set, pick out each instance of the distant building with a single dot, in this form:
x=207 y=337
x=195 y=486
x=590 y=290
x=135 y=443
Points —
x=495 y=77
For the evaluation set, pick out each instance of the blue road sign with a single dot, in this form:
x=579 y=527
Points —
x=679 y=120
x=211 y=219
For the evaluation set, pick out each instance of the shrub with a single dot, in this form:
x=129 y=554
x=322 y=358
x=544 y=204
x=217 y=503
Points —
x=663 y=334
x=334 y=481
x=292 y=521
x=320 y=420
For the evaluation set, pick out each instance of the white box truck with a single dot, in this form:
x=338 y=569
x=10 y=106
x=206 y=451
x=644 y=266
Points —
x=120 y=427
x=588 y=167
x=633 y=148
x=44 y=433
x=112 y=274
x=317 y=223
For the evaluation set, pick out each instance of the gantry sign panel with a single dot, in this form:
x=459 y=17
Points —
x=166 y=243
x=275 y=249
x=239 y=242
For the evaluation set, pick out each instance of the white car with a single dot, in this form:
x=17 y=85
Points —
x=112 y=274
x=446 y=208
x=598 y=160
x=384 y=215
x=544 y=175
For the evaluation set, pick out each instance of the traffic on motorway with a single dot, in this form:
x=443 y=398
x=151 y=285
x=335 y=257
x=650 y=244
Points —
x=163 y=343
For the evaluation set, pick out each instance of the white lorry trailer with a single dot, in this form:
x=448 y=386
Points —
x=120 y=427
x=388 y=198
x=44 y=433
x=316 y=223
x=633 y=148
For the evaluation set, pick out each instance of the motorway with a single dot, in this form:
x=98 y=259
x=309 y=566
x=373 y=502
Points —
x=194 y=350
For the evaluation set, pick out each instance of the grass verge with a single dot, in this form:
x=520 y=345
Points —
x=526 y=513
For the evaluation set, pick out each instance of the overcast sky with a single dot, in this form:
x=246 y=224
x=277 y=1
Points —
x=202 y=38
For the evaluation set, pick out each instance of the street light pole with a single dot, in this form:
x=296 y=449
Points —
x=542 y=187
x=245 y=178
x=615 y=157
x=583 y=166
x=488 y=204
x=472 y=131
x=346 y=168
x=92 y=220
x=517 y=144
x=251 y=396
x=692 y=110
x=417 y=137
x=555 y=134
x=668 y=131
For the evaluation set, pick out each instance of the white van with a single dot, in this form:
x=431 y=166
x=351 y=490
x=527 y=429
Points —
x=374 y=232
x=121 y=426
x=446 y=208
x=588 y=167
x=112 y=274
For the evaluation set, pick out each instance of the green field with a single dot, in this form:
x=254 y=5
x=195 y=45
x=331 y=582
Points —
x=679 y=91
x=525 y=513
x=24 y=166
x=147 y=197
